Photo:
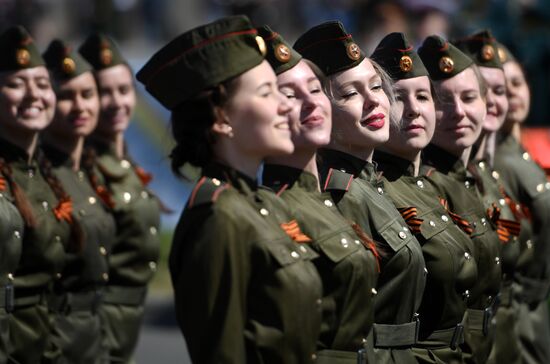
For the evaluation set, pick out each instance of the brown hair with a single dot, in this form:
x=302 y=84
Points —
x=20 y=199
x=76 y=240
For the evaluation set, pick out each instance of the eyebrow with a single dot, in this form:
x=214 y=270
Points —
x=265 y=84
x=290 y=83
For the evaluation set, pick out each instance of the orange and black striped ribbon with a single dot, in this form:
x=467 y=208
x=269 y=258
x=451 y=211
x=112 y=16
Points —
x=505 y=228
x=367 y=243
x=63 y=210
x=3 y=184
x=410 y=214
x=520 y=211
x=292 y=229
x=143 y=176
x=458 y=220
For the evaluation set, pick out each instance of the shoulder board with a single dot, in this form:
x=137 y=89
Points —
x=338 y=180
x=207 y=190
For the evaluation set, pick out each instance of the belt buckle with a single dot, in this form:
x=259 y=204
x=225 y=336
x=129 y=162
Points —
x=487 y=314
x=10 y=297
x=457 y=336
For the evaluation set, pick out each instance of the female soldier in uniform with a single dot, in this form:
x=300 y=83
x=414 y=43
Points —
x=245 y=289
x=526 y=182
x=460 y=112
x=359 y=94
x=482 y=48
x=134 y=254
x=77 y=295
x=448 y=250
x=27 y=104
x=346 y=261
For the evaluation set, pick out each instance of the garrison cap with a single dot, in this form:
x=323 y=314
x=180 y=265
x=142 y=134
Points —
x=330 y=47
x=64 y=62
x=202 y=58
x=442 y=59
x=18 y=51
x=101 y=52
x=397 y=57
x=504 y=54
x=481 y=47
x=280 y=55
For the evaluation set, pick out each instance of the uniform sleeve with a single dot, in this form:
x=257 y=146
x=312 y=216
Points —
x=210 y=266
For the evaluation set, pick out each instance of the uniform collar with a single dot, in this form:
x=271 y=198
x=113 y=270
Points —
x=233 y=177
x=442 y=160
x=507 y=140
x=278 y=176
x=392 y=166
x=347 y=163
x=57 y=157
x=103 y=147
x=12 y=153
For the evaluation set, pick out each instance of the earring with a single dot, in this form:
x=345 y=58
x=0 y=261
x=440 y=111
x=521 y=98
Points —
x=230 y=132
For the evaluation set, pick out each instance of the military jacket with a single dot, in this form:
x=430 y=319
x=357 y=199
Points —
x=347 y=267
x=88 y=268
x=245 y=291
x=508 y=224
x=11 y=230
x=448 y=251
x=42 y=258
x=526 y=183
x=359 y=194
x=458 y=189
x=135 y=252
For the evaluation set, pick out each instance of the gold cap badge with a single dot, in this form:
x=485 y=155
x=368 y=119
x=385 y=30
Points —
x=282 y=53
x=353 y=51
x=68 y=66
x=487 y=52
x=405 y=64
x=502 y=55
x=22 y=57
x=261 y=45
x=106 y=56
x=446 y=64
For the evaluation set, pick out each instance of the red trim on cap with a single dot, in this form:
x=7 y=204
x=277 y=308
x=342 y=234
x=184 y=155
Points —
x=272 y=36
x=324 y=41
x=445 y=47
x=405 y=50
x=201 y=44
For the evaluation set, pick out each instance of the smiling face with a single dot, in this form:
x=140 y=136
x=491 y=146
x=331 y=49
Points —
x=497 y=102
x=258 y=114
x=361 y=108
x=310 y=118
x=117 y=99
x=77 y=107
x=417 y=125
x=519 y=96
x=26 y=101
x=460 y=112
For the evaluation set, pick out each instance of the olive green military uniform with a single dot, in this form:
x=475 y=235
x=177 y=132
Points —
x=359 y=195
x=244 y=291
x=11 y=231
x=134 y=253
x=460 y=192
x=77 y=295
x=509 y=226
x=526 y=183
x=347 y=267
x=42 y=261
x=448 y=252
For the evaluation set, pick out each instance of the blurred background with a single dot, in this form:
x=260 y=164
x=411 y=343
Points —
x=141 y=27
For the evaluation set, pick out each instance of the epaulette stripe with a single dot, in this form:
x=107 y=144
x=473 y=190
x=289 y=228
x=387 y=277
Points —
x=349 y=182
x=218 y=191
x=285 y=186
x=328 y=179
x=195 y=190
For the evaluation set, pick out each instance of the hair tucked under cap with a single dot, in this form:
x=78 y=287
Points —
x=202 y=58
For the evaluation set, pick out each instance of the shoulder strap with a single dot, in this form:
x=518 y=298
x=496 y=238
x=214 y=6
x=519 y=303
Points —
x=207 y=190
x=338 y=180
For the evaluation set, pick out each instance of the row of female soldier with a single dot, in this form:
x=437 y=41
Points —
x=78 y=225
x=385 y=233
